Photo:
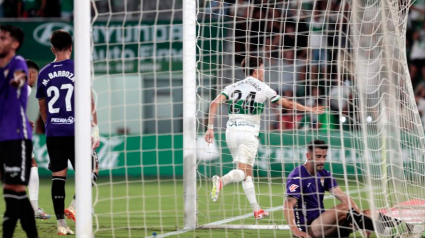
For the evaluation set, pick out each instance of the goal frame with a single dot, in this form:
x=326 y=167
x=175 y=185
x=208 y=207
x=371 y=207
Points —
x=82 y=39
x=189 y=113
x=189 y=123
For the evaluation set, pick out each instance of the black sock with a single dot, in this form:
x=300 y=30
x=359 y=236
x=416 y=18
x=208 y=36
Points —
x=58 y=196
x=11 y=214
x=94 y=179
x=362 y=221
x=26 y=215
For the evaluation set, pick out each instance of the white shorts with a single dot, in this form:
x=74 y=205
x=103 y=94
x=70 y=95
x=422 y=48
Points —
x=243 y=146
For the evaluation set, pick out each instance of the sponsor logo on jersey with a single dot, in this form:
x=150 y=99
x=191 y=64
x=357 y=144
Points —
x=13 y=169
x=293 y=187
x=241 y=123
x=308 y=185
x=42 y=33
x=69 y=120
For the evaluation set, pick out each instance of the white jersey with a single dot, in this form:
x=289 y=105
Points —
x=246 y=100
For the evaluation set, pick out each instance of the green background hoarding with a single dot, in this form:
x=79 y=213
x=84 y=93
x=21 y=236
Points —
x=153 y=155
x=124 y=47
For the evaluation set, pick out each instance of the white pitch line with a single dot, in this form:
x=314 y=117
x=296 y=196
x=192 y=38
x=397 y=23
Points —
x=172 y=233
x=221 y=222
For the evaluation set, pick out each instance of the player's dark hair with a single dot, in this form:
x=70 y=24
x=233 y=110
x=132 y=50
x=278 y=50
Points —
x=32 y=65
x=251 y=63
x=15 y=32
x=61 y=40
x=317 y=144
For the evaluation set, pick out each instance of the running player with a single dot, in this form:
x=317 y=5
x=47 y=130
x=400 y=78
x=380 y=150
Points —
x=246 y=103
x=34 y=183
x=16 y=135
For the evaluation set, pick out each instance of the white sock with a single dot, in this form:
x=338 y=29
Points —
x=233 y=176
x=62 y=222
x=72 y=205
x=248 y=187
x=33 y=187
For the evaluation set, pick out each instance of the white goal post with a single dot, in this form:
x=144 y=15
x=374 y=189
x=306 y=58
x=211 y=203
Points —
x=157 y=66
x=189 y=112
x=82 y=42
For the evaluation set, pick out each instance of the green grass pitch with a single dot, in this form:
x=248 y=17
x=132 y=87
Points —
x=139 y=209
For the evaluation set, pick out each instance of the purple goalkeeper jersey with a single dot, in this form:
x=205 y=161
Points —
x=55 y=84
x=309 y=190
x=14 y=124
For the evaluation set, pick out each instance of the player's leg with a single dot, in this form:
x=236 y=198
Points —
x=364 y=221
x=247 y=150
x=34 y=184
x=95 y=167
x=327 y=223
x=249 y=189
x=57 y=149
x=234 y=139
x=243 y=146
x=384 y=222
x=16 y=158
x=33 y=189
x=12 y=204
x=235 y=175
x=70 y=212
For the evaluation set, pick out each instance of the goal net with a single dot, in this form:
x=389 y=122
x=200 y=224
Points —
x=348 y=55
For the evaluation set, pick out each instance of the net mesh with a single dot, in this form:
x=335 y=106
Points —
x=348 y=55
x=137 y=63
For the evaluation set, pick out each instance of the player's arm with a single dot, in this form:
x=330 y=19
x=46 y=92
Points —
x=19 y=78
x=344 y=198
x=288 y=212
x=95 y=127
x=43 y=109
x=288 y=104
x=93 y=111
x=209 y=135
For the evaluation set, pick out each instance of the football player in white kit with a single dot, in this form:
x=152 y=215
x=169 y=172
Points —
x=246 y=100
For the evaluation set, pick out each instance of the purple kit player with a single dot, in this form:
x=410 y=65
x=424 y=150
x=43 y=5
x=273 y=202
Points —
x=304 y=209
x=15 y=134
x=55 y=91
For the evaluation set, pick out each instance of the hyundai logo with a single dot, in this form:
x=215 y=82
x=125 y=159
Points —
x=42 y=33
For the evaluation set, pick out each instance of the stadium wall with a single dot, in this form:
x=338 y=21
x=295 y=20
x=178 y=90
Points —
x=162 y=155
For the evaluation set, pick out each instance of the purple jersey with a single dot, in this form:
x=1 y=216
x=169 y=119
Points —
x=309 y=191
x=55 y=84
x=14 y=124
